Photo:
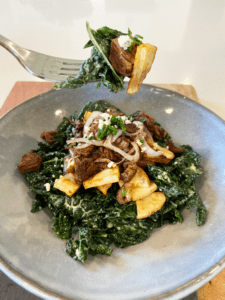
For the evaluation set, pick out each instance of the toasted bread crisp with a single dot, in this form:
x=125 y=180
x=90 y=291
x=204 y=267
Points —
x=143 y=61
x=150 y=204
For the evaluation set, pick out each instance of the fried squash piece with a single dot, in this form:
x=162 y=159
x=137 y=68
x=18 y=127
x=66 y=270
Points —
x=143 y=61
x=104 y=177
x=67 y=184
x=104 y=188
x=150 y=204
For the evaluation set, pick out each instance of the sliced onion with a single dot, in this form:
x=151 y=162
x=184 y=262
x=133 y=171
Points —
x=127 y=156
x=148 y=134
x=129 y=152
x=137 y=154
x=71 y=151
x=94 y=115
x=150 y=151
x=82 y=146
x=115 y=137
x=84 y=140
x=108 y=144
x=133 y=134
x=102 y=160
x=147 y=149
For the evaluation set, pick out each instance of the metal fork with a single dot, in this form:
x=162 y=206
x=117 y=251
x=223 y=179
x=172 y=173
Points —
x=41 y=65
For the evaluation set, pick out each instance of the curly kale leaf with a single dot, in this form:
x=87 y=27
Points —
x=176 y=181
x=63 y=225
x=97 y=67
x=106 y=33
x=99 y=105
x=89 y=242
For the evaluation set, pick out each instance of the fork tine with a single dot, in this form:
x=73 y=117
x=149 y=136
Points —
x=67 y=61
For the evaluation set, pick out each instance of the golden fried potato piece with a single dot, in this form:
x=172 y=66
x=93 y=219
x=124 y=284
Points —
x=136 y=193
x=150 y=204
x=143 y=61
x=104 y=177
x=67 y=184
x=140 y=179
x=87 y=115
x=139 y=187
x=104 y=188
x=165 y=158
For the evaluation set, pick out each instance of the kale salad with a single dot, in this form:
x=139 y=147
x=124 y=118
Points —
x=91 y=220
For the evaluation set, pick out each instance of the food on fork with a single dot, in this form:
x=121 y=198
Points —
x=114 y=56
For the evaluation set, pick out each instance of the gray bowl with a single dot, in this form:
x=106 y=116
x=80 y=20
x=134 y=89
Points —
x=175 y=261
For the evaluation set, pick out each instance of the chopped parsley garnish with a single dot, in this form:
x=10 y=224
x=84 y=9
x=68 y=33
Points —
x=142 y=141
x=106 y=131
x=118 y=122
x=90 y=138
x=123 y=191
x=137 y=40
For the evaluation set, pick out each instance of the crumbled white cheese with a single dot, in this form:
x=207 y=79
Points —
x=139 y=143
x=107 y=122
x=53 y=176
x=143 y=149
x=77 y=252
x=124 y=118
x=100 y=124
x=105 y=116
x=127 y=121
x=47 y=186
x=111 y=164
x=124 y=41
x=86 y=129
x=138 y=124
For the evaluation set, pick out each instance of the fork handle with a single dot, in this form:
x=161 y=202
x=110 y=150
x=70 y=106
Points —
x=12 y=47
